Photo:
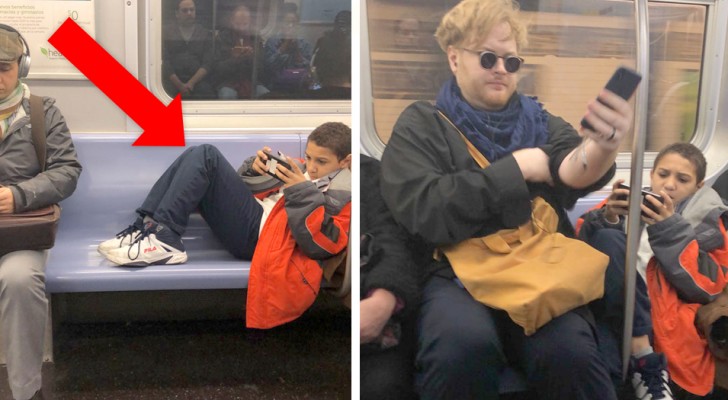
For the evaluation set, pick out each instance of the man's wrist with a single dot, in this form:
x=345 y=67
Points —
x=611 y=219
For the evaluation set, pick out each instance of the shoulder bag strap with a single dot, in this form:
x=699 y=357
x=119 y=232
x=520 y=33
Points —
x=37 y=128
x=474 y=152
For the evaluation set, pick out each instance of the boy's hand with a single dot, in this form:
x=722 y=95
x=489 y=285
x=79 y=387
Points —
x=666 y=210
x=7 y=202
x=260 y=160
x=291 y=176
x=616 y=206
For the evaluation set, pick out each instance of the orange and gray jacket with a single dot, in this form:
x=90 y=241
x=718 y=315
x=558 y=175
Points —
x=689 y=268
x=309 y=225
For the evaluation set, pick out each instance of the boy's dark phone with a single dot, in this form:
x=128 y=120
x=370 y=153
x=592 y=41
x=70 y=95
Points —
x=272 y=164
x=644 y=198
x=623 y=83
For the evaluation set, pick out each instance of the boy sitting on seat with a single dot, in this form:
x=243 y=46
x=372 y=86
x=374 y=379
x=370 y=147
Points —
x=682 y=248
x=295 y=219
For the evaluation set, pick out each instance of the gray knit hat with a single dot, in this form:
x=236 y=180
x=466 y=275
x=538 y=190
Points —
x=11 y=48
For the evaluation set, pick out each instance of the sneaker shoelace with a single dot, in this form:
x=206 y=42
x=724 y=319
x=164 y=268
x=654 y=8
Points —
x=655 y=384
x=129 y=230
x=138 y=241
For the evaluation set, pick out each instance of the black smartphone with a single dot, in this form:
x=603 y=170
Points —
x=647 y=202
x=623 y=83
x=272 y=164
x=644 y=199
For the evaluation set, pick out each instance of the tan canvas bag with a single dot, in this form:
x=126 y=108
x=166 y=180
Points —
x=532 y=272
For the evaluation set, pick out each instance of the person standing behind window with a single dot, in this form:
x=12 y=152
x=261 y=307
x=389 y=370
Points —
x=187 y=55
x=24 y=187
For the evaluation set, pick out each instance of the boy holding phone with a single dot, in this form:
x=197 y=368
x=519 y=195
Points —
x=682 y=247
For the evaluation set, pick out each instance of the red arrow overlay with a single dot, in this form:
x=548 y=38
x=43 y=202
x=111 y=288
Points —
x=162 y=124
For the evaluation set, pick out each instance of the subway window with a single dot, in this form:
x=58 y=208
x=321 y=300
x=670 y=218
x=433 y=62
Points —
x=573 y=48
x=222 y=50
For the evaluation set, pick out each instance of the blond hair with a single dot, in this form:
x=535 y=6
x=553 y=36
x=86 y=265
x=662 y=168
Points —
x=474 y=19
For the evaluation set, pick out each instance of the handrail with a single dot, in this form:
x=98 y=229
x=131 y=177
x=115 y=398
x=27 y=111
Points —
x=638 y=150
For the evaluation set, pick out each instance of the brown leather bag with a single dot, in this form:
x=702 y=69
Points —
x=705 y=317
x=35 y=229
x=532 y=272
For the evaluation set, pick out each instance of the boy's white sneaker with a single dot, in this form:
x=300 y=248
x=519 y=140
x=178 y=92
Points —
x=154 y=246
x=122 y=239
x=650 y=378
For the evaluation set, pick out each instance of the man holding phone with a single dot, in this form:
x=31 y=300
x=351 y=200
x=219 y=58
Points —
x=439 y=194
x=680 y=251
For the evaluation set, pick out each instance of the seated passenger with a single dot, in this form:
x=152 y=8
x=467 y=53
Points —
x=288 y=57
x=680 y=264
x=285 y=224
x=438 y=193
x=332 y=60
x=187 y=55
x=389 y=296
x=238 y=58
x=25 y=186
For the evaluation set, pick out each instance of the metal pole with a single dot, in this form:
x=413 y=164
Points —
x=638 y=149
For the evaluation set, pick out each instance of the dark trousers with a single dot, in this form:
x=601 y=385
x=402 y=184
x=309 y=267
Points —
x=464 y=345
x=388 y=374
x=202 y=179
x=609 y=310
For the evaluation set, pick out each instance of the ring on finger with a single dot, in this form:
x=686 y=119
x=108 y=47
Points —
x=614 y=132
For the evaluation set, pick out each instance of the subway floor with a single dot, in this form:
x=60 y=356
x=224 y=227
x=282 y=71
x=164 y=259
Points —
x=220 y=359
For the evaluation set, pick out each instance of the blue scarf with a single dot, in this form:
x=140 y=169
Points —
x=521 y=124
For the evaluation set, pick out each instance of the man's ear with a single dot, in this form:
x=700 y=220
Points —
x=452 y=58
x=700 y=185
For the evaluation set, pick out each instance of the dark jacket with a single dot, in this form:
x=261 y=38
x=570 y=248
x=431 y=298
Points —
x=386 y=261
x=436 y=190
x=184 y=58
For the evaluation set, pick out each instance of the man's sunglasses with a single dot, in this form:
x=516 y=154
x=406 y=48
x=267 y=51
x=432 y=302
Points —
x=488 y=60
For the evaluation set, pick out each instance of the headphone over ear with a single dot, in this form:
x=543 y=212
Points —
x=24 y=61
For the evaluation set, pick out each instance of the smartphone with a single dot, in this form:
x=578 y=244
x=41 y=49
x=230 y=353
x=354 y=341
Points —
x=644 y=199
x=623 y=83
x=273 y=162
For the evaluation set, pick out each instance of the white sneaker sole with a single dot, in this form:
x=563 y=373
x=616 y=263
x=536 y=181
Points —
x=168 y=259
x=105 y=250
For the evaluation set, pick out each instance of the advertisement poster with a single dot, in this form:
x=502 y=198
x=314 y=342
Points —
x=37 y=20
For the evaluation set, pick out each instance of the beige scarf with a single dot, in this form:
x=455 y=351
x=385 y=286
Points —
x=8 y=106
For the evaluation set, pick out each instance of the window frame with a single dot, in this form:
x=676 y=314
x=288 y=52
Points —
x=220 y=116
x=709 y=136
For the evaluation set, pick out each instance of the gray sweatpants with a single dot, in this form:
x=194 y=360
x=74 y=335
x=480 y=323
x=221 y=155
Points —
x=23 y=315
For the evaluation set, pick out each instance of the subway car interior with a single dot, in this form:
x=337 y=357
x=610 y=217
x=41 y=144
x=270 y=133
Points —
x=178 y=331
x=573 y=48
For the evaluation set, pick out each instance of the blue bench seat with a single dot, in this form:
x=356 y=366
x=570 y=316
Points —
x=114 y=182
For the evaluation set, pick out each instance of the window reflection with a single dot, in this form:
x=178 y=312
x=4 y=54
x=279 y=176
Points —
x=288 y=55
x=574 y=46
x=238 y=57
x=187 y=54
x=251 y=49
